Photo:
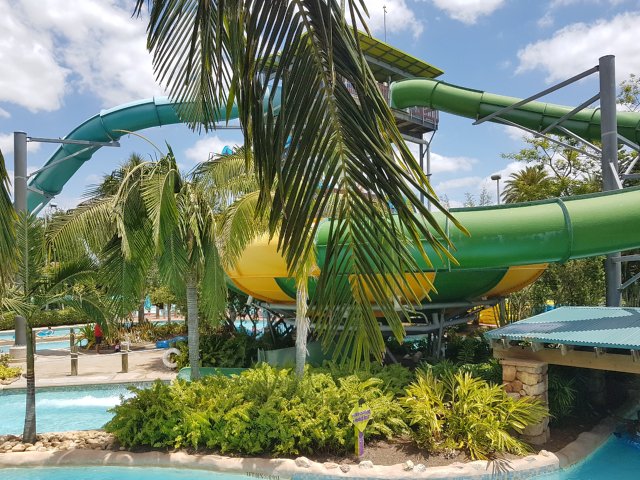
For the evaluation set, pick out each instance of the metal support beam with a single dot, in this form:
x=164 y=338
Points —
x=610 y=179
x=630 y=281
x=580 y=107
x=560 y=85
x=552 y=140
x=628 y=258
x=20 y=171
x=73 y=142
x=580 y=139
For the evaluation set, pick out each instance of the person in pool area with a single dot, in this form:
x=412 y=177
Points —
x=98 y=332
x=116 y=347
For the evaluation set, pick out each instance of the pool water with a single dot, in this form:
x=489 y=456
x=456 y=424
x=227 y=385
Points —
x=59 y=410
x=57 y=332
x=46 y=345
x=615 y=460
x=113 y=473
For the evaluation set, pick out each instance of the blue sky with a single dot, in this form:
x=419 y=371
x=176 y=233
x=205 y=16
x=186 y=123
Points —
x=61 y=61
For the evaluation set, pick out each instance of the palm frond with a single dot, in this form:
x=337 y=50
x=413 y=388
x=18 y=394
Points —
x=30 y=236
x=217 y=53
x=8 y=218
x=83 y=230
x=239 y=227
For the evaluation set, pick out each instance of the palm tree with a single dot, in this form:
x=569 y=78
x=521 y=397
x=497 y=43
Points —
x=234 y=192
x=527 y=185
x=213 y=55
x=38 y=284
x=155 y=214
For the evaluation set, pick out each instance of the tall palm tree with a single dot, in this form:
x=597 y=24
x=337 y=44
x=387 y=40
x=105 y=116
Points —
x=234 y=192
x=158 y=214
x=532 y=183
x=38 y=284
x=213 y=55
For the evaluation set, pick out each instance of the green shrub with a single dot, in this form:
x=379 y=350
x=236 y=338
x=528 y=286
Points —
x=50 y=318
x=5 y=371
x=222 y=348
x=264 y=410
x=490 y=371
x=395 y=378
x=459 y=411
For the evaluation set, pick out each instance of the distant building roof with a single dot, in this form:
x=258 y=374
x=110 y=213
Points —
x=386 y=61
x=606 y=327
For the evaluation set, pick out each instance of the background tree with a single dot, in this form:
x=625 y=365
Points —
x=527 y=185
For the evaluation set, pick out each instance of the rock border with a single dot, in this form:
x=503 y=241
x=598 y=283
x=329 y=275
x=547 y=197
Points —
x=277 y=469
x=304 y=469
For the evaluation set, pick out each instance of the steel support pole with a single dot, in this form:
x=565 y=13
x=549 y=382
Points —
x=609 y=134
x=498 y=191
x=20 y=171
x=20 y=204
x=429 y=169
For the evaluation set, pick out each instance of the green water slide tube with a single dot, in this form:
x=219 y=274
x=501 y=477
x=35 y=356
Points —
x=476 y=104
x=132 y=117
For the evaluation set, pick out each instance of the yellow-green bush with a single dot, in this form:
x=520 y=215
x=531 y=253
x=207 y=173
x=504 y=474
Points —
x=263 y=410
x=460 y=411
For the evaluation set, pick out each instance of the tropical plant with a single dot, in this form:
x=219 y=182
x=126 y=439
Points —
x=459 y=411
x=319 y=139
x=7 y=372
x=263 y=410
x=38 y=284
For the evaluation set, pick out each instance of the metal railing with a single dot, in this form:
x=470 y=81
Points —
x=420 y=113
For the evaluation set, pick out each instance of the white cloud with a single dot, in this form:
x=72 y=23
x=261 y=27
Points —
x=514 y=133
x=564 y=3
x=442 y=164
x=400 y=18
x=546 y=21
x=577 y=47
x=4 y=113
x=201 y=150
x=50 y=47
x=6 y=144
x=92 y=179
x=458 y=183
x=468 y=11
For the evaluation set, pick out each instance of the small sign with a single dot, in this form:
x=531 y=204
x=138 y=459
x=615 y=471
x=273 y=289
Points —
x=359 y=416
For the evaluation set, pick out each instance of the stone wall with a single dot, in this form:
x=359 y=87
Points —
x=528 y=378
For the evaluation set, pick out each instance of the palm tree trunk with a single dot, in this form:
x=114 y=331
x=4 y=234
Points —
x=169 y=314
x=29 y=433
x=302 y=328
x=192 y=322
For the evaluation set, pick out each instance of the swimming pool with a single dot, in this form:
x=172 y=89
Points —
x=57 y=332
x=615 y=460
x=62 y=409
x=46 y=345
x=111 y=473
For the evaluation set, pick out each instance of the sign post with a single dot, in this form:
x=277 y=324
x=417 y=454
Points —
x=359 y=416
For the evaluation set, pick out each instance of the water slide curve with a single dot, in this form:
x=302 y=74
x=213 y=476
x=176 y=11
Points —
x=510 y=245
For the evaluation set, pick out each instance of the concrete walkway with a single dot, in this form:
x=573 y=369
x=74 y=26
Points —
x=53 y=369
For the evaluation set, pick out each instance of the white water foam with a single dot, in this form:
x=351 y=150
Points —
x=86 y=401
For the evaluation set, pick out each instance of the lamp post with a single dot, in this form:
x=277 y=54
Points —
x=497 y=178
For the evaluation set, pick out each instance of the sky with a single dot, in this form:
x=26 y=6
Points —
x=62 y=61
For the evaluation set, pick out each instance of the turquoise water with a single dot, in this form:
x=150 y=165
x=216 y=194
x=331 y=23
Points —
x=57 y=332
x=113 y=473
x=46 y=345
x=615 y=460
x=61 y=411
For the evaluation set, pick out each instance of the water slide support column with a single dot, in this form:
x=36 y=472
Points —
x=19 y=348
x=609 y=134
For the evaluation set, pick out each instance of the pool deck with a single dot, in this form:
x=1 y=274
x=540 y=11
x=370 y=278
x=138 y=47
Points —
x=53 y=369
